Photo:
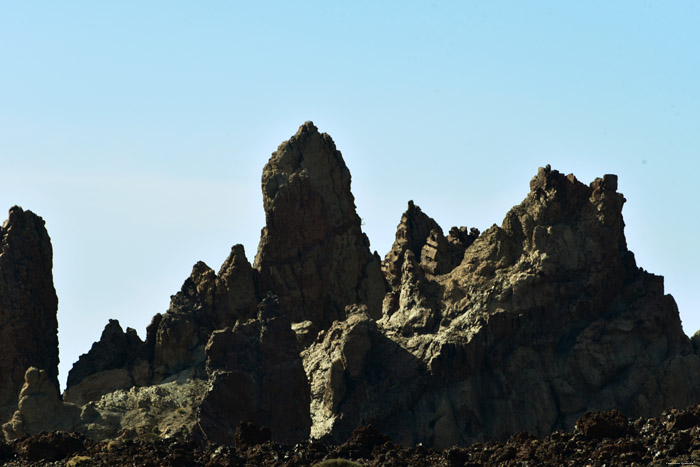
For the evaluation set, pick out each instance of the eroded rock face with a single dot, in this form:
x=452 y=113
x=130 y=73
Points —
x=256 y=375
x=40 y=408
x=526 y=326
x=119 y=360
x=206 y=302
x=312 y=253
x=28 y=305
x=358 y=373
x=546 y=317
x=421 y=235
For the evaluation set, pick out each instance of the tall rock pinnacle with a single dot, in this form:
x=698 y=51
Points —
x=28 y=305
x=312 y=251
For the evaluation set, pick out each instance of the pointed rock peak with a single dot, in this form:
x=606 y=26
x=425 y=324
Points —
x=313 y=156
x=312 y=252
x=236 y=259
x=412 y=234
x=200 y=269
x=307 y=127
x=28 y=302
x=20 y=218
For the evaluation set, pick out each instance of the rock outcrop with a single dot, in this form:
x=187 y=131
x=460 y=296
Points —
x=546 y=317
x=119 y=360
x=175 y=340
x=256 y=375
x=312 y=252
x=28 y=305
x=207 y=302
x=450 y=340
x=39 y=408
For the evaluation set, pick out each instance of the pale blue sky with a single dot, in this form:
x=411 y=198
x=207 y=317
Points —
x=139 y=130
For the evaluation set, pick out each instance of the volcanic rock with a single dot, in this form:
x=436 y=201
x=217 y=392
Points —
x=256 y=375
x=118 y=360
x=453 y=340
x=28 y=305
x=312 y=252
x=412 y=306
x=206 y=302
x=546 y=317
x=357 y=373
x=40 y=408
x=419 y=233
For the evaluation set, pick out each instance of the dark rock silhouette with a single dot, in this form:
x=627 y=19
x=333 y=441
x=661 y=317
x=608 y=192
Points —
x=312 y=253
x=206 y=302
x=449 y=341
x=256 y=375
x=119 y=360
x=28 y=305
x=545 y=318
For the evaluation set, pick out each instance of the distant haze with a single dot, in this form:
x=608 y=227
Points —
x=138 y=131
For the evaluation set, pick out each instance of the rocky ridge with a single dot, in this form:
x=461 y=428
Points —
x=449 y=341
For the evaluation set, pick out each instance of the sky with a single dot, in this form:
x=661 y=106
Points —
x=139 y=130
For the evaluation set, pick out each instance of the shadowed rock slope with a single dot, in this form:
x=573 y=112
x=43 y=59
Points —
x=451 y=339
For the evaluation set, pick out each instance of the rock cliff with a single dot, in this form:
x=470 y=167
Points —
x=28 y=305
x=312 y=252
x=545 y=317
x=448 y=341
x=256 y=375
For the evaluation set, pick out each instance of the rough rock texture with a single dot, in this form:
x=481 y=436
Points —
x=206 y=302
x=119 y=360
x=39 y=408
x=467 y=338
x=28 y=305
x=164 y=410
x=419 y=233
x=312 y=252
x=357 y=374
x=545 y=318
x=257 y=376
x=175 y=340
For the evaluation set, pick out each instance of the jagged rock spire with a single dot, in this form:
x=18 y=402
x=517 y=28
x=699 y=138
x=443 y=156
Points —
x=28 y=304
x=312 y=251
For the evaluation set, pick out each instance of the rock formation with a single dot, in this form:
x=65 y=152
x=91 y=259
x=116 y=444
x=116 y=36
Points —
x=450 y=340
x=175 y=340
x=546 y=317
x=207 y=302
x=119 y=360
x=312 y=253
x=39 y=408
x=256 y=375
x=28 y=305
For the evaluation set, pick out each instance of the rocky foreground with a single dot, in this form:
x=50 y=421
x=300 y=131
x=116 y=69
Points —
x=451 y=340
x=599 y=439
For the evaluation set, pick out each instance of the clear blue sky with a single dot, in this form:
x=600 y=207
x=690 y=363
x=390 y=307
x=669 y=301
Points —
x=138 y=130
